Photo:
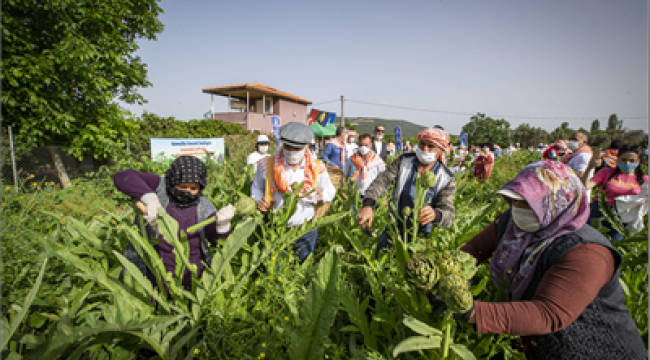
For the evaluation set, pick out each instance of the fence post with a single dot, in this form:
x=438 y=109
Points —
x=128 y=149
x=13 y=158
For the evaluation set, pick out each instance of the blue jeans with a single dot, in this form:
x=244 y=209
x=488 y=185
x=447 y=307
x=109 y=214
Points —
x=596 y=214
x=306 y=245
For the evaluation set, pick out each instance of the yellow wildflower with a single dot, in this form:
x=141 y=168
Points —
x=286 y=318
x=263 y=344
x=280 y=279
x=3 y=204
x=271 y=321
x=257 y=282
x=20 y=198
x=31 y=176
x=196 y=351
x=8 y=187
x=261 y=356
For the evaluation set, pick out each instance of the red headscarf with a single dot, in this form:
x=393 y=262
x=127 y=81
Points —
x=437 y=136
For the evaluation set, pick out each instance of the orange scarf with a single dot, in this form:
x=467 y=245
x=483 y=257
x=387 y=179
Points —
x=610 y=157
x=372 y=160
x=338 y=144
x=567 y=157
x=280 y=181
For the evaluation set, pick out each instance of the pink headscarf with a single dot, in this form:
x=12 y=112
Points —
x=437 y=136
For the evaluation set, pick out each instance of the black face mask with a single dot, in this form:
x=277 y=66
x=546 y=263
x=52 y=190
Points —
x=182 y=198
x=312 y=147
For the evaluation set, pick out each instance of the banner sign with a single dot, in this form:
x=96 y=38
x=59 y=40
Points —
x=398 y=139
x=276 y=130
x=323 y=118
x=167 y=150
x=463 y=139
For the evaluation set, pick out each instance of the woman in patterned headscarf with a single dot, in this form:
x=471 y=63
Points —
x=559 y=275
x=180 y=193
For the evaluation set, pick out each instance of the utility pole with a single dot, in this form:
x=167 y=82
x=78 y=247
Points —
x=342 y=110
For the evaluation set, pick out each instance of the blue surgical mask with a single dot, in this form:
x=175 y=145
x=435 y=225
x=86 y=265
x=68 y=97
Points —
x=626 y=168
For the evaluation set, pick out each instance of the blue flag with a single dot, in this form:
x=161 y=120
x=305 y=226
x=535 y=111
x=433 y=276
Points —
x=463 y=139
x=329 y=119
x=398 y=139
x=275 y=120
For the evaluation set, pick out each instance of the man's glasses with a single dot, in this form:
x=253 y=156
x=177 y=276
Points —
x=379 y=131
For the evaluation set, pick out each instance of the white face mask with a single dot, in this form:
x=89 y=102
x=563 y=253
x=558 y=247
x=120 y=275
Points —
x=426 y=157
x=573 y=145
x=351 y=140
x=379 y=137
x=293 y=157
x=525 y=219
x=363 y=150
x=264 y=149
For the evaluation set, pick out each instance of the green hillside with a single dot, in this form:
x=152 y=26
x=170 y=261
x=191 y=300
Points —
x=364 y=125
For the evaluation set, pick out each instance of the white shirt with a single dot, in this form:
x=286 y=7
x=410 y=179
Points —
x=305 y=207
x=350 y=149
x=579 y=162
x=378 y=145
x=371 y=175
x=254 y=157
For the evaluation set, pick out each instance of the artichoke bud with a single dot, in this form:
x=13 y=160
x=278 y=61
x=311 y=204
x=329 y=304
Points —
x=447 y=265
x=406 y=212
x=245 y=206
x=467 y=263
x=421 y=272
x=449 y=282
x=428 y=180
x=458 y=299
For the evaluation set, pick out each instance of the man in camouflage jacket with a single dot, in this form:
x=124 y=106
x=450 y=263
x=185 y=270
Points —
x=402 y=171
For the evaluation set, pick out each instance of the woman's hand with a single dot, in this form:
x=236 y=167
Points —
x=224 y=216
x=426 y=215
x=263 y=205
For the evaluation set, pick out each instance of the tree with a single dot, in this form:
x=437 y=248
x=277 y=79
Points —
x=612 y=122
x=64 y=66
x=527 y=136
x=595 y=126
x=485 y=129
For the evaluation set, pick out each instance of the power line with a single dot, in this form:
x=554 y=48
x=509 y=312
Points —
x=326 y=102
x=571 y=118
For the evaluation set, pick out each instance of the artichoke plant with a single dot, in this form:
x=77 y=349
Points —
x=406 y=212
x=458 y=299
x=421 y=272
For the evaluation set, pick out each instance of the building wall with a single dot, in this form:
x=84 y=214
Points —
x=286 y=108
x=282 y=108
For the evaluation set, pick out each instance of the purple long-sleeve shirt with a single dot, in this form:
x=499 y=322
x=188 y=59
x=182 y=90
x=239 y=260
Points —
x=136 y=184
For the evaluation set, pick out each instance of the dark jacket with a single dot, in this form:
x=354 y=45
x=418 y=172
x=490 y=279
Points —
x=384 y=150
x=604 y=330
x=445 y=189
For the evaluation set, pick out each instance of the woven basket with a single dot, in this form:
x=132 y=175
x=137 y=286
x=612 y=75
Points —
x=337 y=176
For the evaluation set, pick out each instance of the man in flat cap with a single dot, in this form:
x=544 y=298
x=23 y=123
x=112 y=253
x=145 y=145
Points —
x=293 y=164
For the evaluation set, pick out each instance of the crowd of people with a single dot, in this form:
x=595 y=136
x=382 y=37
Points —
x=560 y=274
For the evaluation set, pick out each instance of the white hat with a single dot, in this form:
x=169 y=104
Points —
x=509 y=193
x=262 y=139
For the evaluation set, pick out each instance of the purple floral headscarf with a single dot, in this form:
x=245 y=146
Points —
x=558 y=198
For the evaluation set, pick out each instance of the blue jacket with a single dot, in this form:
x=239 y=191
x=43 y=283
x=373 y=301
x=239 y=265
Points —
x=333 y=155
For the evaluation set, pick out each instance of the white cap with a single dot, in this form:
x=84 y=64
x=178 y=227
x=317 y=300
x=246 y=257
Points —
x=509 y=193
x=262 y=139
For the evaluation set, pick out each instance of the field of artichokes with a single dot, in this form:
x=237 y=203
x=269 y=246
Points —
x=66 y=296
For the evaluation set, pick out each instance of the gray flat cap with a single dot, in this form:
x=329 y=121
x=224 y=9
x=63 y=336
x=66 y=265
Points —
x=296 y=134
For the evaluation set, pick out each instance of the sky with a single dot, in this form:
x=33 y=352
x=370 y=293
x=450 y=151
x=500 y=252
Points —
x=527 y=61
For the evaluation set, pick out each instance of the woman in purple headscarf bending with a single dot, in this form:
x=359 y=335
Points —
x=560 y=276
x=180 y=193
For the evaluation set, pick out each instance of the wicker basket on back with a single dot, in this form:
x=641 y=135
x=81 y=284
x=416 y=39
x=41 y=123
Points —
x=337 y=176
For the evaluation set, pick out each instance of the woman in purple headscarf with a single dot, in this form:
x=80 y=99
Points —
x=558 y=274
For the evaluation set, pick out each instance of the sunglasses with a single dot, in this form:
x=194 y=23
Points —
x=380 y=131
